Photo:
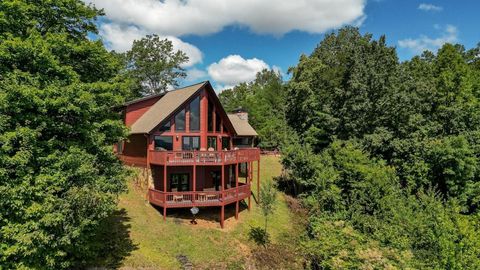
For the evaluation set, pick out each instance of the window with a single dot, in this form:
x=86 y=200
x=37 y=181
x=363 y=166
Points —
x=225 y=143
x=212 y=142
x=242 y=142
x=180 y=121
x=179 y=182
x=195 y=114
x=164 y=143
x=120 y=147
x=210 y=116
x=165 y=127
x=191 y=143
x=218 y=121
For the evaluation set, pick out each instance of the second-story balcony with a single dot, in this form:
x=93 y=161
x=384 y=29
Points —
x=186 y=158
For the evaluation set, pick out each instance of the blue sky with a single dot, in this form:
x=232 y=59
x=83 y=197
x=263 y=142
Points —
x=229 y=41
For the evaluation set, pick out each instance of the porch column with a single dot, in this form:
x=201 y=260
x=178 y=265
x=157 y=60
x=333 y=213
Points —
x=165 y=191
x=236 y=190
x=222 y=180
x=194 y=175
x=246 y=172
x=248 y=183
x=258 y=179
x=222 y=210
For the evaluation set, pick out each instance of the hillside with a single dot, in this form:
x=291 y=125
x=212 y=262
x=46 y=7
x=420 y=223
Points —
x=155 y=243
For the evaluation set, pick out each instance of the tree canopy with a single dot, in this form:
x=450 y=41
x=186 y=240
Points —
x=385 y=154
x=265 y=101
x=154 y=65
x=60 y=177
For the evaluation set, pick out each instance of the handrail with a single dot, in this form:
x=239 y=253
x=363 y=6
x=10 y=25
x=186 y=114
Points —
x=204 y=157
x=190 y=198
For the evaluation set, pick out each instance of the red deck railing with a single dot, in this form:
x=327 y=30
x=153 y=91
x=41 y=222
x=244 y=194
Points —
x=204 y=157
x=199 y=198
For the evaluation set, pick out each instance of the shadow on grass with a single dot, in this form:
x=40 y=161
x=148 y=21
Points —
x=113 y=243
x=210 y=213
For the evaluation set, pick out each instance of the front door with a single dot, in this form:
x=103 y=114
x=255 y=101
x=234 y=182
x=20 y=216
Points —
x=180 y=182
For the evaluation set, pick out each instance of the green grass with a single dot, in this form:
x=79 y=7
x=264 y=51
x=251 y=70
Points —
x=158 y=242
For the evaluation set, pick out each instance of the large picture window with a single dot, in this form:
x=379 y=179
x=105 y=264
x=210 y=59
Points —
x=210 y=116
x=180 y=121
x=191 y=143
x=164 y=143
x=218 y=122
x=195 y=114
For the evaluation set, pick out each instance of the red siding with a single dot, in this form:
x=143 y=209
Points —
x=136 y=110
x=135 y=150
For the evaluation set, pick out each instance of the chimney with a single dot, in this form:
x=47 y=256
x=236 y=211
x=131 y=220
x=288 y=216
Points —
x=241 y=113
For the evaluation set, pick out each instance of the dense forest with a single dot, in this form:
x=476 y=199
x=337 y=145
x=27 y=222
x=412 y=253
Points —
x=383 y=154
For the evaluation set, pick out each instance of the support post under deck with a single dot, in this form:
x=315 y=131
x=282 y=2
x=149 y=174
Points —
x=222 y=211
x=236 y=193
x=165 y=191
x=258 y=179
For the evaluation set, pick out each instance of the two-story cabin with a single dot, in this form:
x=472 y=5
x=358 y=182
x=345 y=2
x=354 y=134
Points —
x=198 y=155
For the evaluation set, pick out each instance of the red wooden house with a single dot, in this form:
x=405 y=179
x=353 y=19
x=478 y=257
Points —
x=198 y=155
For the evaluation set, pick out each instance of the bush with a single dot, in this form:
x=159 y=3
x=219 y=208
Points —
x=259 y=235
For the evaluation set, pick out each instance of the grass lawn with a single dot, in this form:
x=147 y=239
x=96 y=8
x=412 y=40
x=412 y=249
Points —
x=157 y=243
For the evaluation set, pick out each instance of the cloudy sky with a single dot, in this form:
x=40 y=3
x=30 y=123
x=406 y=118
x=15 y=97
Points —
x=228 y=41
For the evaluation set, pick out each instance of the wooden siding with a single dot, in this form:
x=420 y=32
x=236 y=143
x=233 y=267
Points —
x=136 y=110
x=135 y=150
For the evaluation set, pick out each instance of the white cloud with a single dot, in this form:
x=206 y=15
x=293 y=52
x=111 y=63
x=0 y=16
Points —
x=418 y=45
x=182 y=17
x=120 y=39
x=234 y=69
x=429 y=7
x=195 y=74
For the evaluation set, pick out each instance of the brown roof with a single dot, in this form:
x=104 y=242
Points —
x=163 y=108
x=242 y=127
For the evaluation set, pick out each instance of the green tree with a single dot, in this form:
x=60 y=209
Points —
x=342 y=88
x=386 y=154
x=60 y=177
x=265 y=101
x=268 y=197
x=154 y=65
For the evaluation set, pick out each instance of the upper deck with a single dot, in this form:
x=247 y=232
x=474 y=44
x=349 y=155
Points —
x=190 y=158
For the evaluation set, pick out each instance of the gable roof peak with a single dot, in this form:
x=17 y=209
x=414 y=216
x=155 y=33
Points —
x=164 y=93
x=164 y=107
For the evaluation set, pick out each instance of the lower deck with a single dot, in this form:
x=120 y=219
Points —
x=199 y=198
x=201 y=186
